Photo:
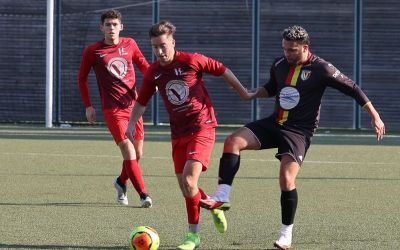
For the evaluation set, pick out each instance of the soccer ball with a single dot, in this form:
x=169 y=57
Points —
x=144 y=238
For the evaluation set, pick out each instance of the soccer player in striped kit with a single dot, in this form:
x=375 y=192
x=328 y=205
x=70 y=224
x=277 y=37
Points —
x=297 y=81
x=112 y=61
x=178 y=76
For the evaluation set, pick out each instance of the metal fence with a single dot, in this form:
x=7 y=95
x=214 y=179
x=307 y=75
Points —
x=360 y=37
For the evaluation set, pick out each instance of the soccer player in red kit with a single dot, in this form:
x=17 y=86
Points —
x=178 y=76
x=112 y=61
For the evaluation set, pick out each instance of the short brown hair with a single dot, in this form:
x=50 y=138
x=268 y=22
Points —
x=111 y=14
x=161 y=28
x=296 y=33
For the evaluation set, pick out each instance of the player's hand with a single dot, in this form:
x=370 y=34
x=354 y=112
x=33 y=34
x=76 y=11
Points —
x=91 y=115
x=247 y=95
x=252 y=93
x=379 y=127
x=255 y=93
x=130 y=131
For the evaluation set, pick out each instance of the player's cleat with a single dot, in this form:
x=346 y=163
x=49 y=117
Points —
x=121 y=193
x=191 y=242
x=146 y=202
x=210 y=204
x=284 y=242
x=219 y=220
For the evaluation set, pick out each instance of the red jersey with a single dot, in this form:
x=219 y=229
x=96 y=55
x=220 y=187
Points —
x=113 y=66
x=182 y=88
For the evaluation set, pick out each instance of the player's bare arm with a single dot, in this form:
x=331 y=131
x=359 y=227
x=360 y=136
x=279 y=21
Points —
x=232 y=80
x=376 y=121
x=137 y=112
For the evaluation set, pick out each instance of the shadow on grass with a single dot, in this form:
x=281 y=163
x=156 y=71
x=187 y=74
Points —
x=24 y=246
x=70 y=204
x=21 y=246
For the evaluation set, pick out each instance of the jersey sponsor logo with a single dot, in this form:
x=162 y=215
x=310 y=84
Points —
x=289 y=97
x=177 y=92
x=118 y=67
x=102 y=55
x=336 y=73
x=122 y=51
x=179 y=72
x=157 y=76
x=305 y=74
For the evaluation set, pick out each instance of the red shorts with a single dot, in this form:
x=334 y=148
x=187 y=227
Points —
x=117 y=122
x=196 y=147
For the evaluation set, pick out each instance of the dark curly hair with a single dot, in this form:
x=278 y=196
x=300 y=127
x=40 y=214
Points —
x=296 y=33
x=111 y=14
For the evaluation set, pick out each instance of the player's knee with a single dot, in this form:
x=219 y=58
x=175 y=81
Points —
x=286 y=181
x=124 y=145
x=283 y=183
x=138 y=144
x=139 y=154
x=188 y=186
x=188 y=183
x=232 y=144
x=127 y=150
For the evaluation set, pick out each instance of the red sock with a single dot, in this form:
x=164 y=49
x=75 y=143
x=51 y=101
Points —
x=134 y=172
x=123 y=177
x=193 y=208
x=203 y=195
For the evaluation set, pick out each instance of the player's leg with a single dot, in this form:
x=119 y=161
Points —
x=138 y=139
x=188 y=180
x=145 y=200
x=111 y=118
x=196 y=150
x=188 y=184
x=134 y=172
x=138 y=144
x=289 y=169
x=179 y=156
x=242 y=139
x=292 y=149
x=117 y=122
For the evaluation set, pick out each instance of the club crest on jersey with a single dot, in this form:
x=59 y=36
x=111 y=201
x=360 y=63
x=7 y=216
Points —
x=118 y=67
x=305 y=74
x=177 y=91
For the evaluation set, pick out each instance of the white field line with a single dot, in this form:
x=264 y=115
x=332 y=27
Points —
x=166 y=158
x=104 y=132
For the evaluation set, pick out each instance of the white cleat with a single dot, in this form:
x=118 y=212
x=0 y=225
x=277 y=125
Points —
x=285 y=239
x=122 y=199
x=281 y=245
x=146 y=202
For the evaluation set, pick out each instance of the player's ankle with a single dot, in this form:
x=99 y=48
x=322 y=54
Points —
x=222 y=193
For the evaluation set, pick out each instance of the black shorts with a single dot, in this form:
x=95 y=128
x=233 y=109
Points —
x=288 y=140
